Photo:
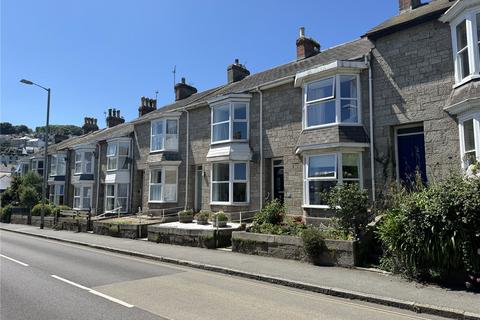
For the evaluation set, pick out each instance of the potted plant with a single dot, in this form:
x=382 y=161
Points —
x=202 y=217
x=220 y=219
x=185 y=216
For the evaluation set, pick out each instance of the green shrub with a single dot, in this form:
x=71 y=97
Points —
x=56 y=209
x=29 y=196
x=6 y=213
x=37 y=210
x=272 y=213
x=350 y=204
x=185 y=213
x=433 y=230
x=220 y=216
x=7 y=197
x=203 y=215
x=313 y=243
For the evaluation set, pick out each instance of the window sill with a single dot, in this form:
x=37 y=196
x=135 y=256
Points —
x=228 y=141
x=466 y=80
x=346 y=124
x=163 y=150
x=153 y=201
x=232 y=204
x=308 y=206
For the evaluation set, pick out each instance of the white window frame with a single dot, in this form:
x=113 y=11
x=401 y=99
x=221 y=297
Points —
x=55 y=196
x=162 y=183
x=469 y=17
x=36 y=168
x=338 y=177
x=231 y=120
x=80 y=157
x=231 y=181
x=117 y=156
x=55 y=160
x=81 y=197
x=337 y=98
x=476 y=135
x=115 y=196
x=163 y=134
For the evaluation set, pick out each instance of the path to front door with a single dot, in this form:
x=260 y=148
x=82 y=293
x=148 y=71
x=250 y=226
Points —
x=278 y=175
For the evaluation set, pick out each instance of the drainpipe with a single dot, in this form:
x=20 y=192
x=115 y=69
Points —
x=261 y=146
x=131 y=176
x=368 y=59
x=98 y=178
x=186 y=160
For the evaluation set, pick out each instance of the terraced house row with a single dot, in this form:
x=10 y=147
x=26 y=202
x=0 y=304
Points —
x=402 y=98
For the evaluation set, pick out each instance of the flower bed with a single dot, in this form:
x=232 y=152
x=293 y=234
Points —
x=337 y=252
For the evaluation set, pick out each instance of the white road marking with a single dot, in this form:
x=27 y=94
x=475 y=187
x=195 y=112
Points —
x=123 y=303
x=14 y=260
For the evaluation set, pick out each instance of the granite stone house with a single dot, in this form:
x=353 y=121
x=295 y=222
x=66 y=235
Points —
x=401 y=99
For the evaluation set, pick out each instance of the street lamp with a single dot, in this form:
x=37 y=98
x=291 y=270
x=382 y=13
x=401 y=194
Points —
x=45 y=159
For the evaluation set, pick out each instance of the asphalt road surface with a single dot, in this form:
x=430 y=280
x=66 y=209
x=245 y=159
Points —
x=47 y=280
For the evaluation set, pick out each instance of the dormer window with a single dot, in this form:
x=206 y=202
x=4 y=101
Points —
x=332 y=100
x=164 y=135
x=230 y=122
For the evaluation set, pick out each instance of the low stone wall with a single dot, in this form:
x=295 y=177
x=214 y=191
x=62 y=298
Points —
x=19 y=219
x=69 y=224
x=131 y=231
x=339 y=252
x=204 y=238
x=48 y=221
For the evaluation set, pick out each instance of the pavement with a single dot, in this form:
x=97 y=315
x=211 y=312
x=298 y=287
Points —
x=368 y=286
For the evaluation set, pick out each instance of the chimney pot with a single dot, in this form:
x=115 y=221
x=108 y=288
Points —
x=302 y=32
x=236 y=72
x=407 y=5
x=183 y=80
x=109 y=112
x=237 y=61
x=306 y=47
x=183 y=90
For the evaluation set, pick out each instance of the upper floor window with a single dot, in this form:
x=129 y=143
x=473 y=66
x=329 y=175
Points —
x=230 y=122
x=83 y=162
x=470 y=140
x=164 y=135
x=332 y=100
x=324 y=171
x=37 y=166
x=466 y=46
x=163 y=185
x=118 y=155
x=57 y=165
x=229 y=182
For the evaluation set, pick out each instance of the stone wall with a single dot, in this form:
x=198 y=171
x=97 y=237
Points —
x=338 y=252
x=412 y=79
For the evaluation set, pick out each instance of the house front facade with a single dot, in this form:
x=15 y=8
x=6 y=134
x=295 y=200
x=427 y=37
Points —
x=401 y=101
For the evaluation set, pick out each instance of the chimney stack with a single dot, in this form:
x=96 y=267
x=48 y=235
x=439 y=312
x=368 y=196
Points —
x=236 y=72
x=407 y=5
x=183 y=90
x=89 y=125
x=114 y=118
x=306 y=47
x=146 y=105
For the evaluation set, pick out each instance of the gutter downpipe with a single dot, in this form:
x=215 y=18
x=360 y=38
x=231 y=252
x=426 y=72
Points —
x=98 y=178
x=368 y=59
x=186 y=160
x=261 y=146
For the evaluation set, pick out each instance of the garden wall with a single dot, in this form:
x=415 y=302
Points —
x=339 y=252
x=131 y=231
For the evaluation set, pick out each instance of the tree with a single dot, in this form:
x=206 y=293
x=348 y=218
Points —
x=32 y=179
x=22 y=129
x=6 y=128
x=29 y=196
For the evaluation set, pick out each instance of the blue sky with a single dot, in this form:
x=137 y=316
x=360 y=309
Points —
x=99 y=54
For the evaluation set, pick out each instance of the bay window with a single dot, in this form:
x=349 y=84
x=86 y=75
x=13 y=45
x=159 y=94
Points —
x=332 y=100
x=470 y=140
x=324 y=171
x=116 y=197
x=57 y=165
x=83 y=162
x=82 y=197
x=466 y=45
x=229 y=183
x=230 y=122
x=37 y=166
x=164 y=135
x=56 y=193
x=163 y=185
x=118 y=155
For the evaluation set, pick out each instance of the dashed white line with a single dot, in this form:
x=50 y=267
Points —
x=123 y=303
x=14 y=260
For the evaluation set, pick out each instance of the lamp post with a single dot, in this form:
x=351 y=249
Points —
x=45 y=158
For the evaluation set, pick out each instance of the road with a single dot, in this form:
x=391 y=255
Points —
x=42 y=279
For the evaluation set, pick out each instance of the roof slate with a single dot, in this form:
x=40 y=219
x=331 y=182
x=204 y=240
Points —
x=431 y=10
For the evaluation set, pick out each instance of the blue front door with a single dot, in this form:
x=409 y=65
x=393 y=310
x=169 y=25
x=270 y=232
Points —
x=411 y=157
